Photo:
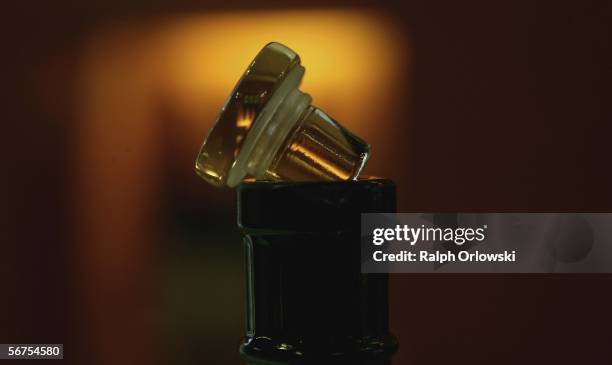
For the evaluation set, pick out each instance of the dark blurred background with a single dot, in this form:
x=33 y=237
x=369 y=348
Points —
x=112 y=245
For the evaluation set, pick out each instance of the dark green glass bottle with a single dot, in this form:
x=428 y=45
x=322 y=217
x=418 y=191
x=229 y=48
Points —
x=307 y=300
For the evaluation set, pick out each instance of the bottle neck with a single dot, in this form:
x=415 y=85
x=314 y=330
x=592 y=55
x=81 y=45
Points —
x=307 y=301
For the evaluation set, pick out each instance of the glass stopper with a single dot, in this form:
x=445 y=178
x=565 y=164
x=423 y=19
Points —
x=268 y=130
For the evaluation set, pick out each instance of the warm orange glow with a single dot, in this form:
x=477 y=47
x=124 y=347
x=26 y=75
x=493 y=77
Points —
x=352 y=57
x=245 y=118
x=186 y=66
